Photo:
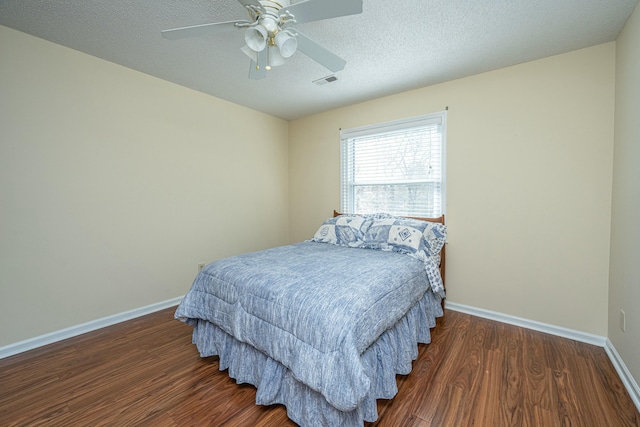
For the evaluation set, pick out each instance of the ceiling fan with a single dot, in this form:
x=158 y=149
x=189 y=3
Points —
x=270 y=33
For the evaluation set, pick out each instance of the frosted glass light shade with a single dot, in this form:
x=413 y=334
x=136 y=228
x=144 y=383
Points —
x=275 y=57
x=286 y=43
x=256 y=38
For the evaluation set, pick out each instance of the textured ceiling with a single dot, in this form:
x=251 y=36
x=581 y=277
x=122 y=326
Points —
x=389 y=48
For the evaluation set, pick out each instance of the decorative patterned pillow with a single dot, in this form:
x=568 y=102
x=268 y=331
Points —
x=384 y=232
x=326 y=233
x=434 y=238
x=405 y=235
x=343 y=230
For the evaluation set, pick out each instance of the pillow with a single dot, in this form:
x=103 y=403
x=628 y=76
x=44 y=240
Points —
x=384 y=232
x=326 y=233
x=434 y=235
x=342 y=230
x=376 y=235
x=405 y=235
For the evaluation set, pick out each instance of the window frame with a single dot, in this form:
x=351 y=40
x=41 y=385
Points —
x=425 y=120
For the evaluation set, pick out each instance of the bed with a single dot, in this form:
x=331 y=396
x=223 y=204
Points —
x=325 y=325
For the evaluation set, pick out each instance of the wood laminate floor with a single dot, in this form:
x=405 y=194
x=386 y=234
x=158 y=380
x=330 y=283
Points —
x=476 y=372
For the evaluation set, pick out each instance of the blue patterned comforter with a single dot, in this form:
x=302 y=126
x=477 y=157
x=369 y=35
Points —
x=313 y=307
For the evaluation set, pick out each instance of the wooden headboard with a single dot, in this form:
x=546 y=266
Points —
x=439 y=220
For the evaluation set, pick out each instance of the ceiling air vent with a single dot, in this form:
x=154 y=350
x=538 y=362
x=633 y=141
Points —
x=325 y=80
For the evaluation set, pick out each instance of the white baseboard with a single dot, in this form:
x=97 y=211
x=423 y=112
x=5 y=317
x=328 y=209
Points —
x=83 y=328
x=627 y=379
x=625 y=376
x=529 y=324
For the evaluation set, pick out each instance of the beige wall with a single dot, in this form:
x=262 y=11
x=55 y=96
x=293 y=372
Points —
x=624 y=278
x=529 y=171
x=114 y=185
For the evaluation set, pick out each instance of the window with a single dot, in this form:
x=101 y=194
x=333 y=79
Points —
x=395 y=167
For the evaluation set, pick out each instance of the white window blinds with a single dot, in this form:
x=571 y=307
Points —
x=395 y=167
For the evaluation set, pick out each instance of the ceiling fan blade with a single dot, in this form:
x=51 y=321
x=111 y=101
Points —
x=319 y=54
x=315 y=10
x=203 y=29
x=258 y=71
x=253 y=3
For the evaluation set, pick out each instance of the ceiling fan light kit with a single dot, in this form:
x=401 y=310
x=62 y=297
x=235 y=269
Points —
x=270 y=35
x=287 y=43
x=256 y=38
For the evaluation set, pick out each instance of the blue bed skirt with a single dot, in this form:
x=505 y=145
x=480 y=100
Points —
x=391 y=354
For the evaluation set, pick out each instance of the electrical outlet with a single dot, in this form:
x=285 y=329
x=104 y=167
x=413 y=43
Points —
x=200 y=267
x=623 y=320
